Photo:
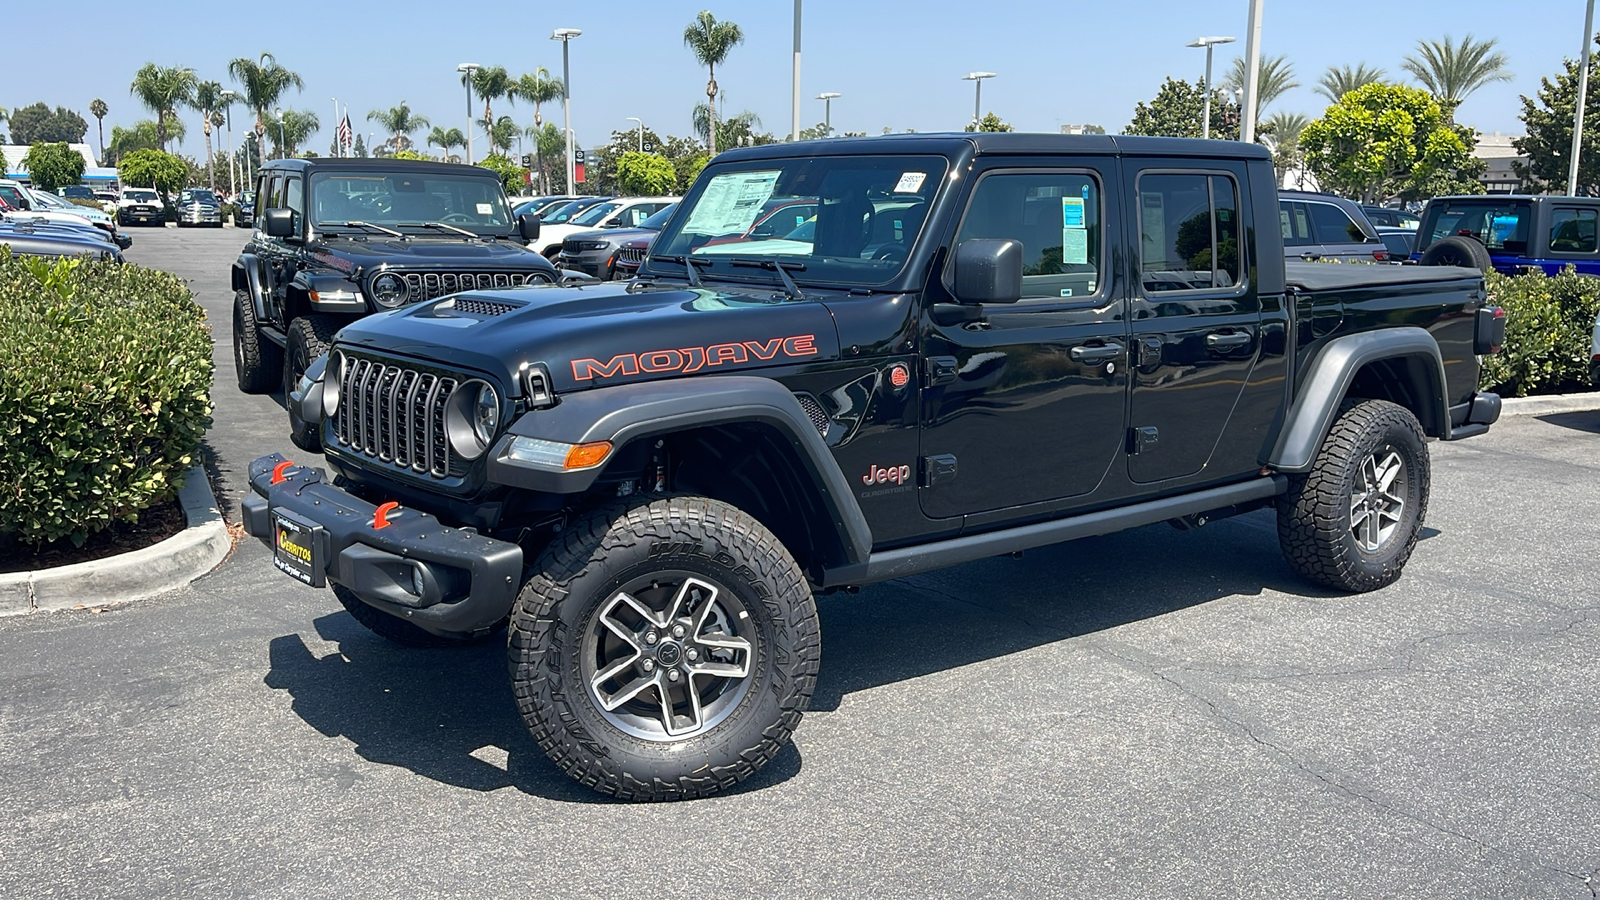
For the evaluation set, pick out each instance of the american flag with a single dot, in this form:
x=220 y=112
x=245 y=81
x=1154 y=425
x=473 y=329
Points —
x=346 y=136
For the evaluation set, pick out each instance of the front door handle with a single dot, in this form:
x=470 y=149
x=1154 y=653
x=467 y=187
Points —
x=1095 y=355
x=1309 y=256
x=1227 y=340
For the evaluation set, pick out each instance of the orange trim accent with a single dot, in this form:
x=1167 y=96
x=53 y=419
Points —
x=279 y=469
x=380 y=519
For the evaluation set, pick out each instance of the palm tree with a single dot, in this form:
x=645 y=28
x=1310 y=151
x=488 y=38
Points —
x=1274 y=78
x=711 y=41
x=400 y=122
x=1451 y=71
x=503 y=135
x=264 y=81
x=207 y=95
x=142 y=136
x=291 y=129
x=745 y=122
x=163 y=89
x=1341 y=80
x=537 y=87
x=98 y=109
x=445 y=138
x=492 y=83
x=1281 y=131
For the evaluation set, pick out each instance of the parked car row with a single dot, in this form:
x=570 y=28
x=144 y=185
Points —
x=22 y=204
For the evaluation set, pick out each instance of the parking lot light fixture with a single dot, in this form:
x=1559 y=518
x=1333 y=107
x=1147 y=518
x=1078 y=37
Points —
x=467 y=69
x=641 y=132
x=1209 y=43
x=565 y=36
x=827 y=98
x=977 y=99
x=233 y=179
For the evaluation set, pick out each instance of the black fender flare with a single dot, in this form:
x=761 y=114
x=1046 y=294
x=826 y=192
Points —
x=627 y=412
x=1327 y=380
x=247 y=276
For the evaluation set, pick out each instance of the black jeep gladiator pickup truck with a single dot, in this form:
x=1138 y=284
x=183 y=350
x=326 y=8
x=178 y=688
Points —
x=977 y=344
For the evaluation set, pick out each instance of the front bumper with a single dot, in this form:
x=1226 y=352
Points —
x=590 y=262
x=139 y=215
x=445 y=580
x=200 y=217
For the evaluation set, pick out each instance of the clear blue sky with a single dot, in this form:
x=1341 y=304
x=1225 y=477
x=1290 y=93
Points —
x=897 y=64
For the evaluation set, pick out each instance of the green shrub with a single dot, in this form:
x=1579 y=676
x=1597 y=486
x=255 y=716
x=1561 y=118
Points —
x=1549 y=325
x=105 y=380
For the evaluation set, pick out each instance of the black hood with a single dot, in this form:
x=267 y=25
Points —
x=445 y=254
x=604 y=334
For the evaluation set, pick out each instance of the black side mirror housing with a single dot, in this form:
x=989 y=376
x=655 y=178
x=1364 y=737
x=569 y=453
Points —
x=988 y=270
x=279 y=223
x=528 y=226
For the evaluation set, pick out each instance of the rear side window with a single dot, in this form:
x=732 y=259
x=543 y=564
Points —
x=1572 y=230
x=1188 y=232
x=1333 y=225
x=1295 y=223
x=1055 y=215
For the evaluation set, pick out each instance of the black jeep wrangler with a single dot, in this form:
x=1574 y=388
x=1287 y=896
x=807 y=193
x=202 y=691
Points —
x=341 y=238
x=978 y=344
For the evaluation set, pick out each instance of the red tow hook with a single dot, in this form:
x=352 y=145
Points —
x=380 y=519
x=279 y=469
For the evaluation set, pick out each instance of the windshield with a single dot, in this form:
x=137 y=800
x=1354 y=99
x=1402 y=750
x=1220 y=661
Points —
x=563 y=214
x=139 y=196
x=197 y=195
x=851 y=219
x=50 y=201
x=594 y=214
x=472 y=202
x=1499 y=224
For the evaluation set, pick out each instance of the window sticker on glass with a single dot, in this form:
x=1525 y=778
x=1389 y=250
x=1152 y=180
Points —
x=910 y=182
x=731 y=203
x=485 y=209
x=1074 y=232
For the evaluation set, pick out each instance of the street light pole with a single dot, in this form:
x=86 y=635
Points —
x=1583 y=99
x=977 y=96
x=338 y=146
x=467 y=68
x=565 y=36
x=233 y=180
x=641 y=132
x=1208 y=43
x=277 y=111
x=794 y=119
x=827 y=109
x=1252 y=73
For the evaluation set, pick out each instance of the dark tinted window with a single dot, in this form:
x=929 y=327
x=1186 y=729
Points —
x=1572 y=230
x=1333 y=226
x=1399 y=244
x=1498 y=224
x=1056 y=216
x=294 y=195
x=1188 y=232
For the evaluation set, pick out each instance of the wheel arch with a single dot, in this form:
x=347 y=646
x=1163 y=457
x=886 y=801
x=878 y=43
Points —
x=1402 y=365
x=247 y=277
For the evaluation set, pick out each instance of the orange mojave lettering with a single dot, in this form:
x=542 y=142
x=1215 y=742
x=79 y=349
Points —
x=693 y=359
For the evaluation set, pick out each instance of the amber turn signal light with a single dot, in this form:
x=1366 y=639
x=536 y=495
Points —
x=582 y=456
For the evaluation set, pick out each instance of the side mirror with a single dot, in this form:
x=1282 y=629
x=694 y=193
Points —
x=279 y=223
x=528 y=226
x=988 y=270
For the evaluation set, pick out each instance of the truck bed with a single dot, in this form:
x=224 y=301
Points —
x=1315 y=276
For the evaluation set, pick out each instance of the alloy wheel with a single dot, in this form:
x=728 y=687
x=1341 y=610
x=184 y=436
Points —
x=1378 y=499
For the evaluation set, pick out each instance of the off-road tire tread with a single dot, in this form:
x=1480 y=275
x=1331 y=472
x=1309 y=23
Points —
x=1314 y=514
x=259 y=375
x=537 y=634
x=317 y=332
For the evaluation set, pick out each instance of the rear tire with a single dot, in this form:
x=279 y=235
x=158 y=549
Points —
x=665 y=649
x=309 y=338
x=257 y=362
x=1353 y=520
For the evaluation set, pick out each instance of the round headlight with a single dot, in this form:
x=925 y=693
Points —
x=389 y=290
x=472 y=418
x=332 y=380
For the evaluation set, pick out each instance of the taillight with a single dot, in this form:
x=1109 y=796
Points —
x=1380 y=255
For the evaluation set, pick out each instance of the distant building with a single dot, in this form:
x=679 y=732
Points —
x=93 y=174
x=1082 y=129
x=1496 y=152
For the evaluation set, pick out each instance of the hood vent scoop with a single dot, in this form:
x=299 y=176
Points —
x=474 y=306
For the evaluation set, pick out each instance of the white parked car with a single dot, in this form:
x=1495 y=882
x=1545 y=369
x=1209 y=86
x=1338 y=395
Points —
x=97 y=217
x=622 y=212
x=140 y=206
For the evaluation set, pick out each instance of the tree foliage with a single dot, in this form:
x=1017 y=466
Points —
x=711 y=41
x=53 y=165
x=400 y=122
x=1281 y=132
x=1275 y=77
x=37 y=123
x=142 y=136
x=290 y=130
x=511 y=174
x=153 y=169
x=1451 y=71
x=646 y=174
x=1176 y=111
x=989 y=122
x=1548 y=145
x=264 y=81
x=1384 y=141
x=164 y=90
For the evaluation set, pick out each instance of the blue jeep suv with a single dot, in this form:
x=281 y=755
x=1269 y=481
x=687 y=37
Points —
x=1511 y=233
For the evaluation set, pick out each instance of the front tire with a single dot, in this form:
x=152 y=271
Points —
x=257 y=362
x=1353 y=520
x=664 y=650
x=309 y=338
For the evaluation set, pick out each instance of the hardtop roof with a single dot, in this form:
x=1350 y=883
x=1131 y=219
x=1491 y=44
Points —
x=997 y=143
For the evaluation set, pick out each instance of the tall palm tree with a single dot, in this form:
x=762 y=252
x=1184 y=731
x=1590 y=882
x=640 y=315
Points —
x=503 y=135
x=1451 y=71
x=207 y=95
x=163 y=89
x=264 y=81
x=1281 y=131
x=492 y=83
x=399 y=121
x=1341 y=80
x=711 y=41
x=700 y=121
x=98 y=109
x=445 y=138
x=291 y=128
x=1275 y=77
x=538 y=87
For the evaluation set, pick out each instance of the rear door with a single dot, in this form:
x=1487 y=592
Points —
x=1298 y=238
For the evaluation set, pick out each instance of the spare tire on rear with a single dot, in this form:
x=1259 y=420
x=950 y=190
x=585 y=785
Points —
x=1457 y=250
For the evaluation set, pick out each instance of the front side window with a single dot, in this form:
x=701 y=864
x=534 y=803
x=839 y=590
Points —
x=1572 y=230
x=869 y=212
x=294 y=195
x=1057 y=218
x=1188 y=232
x=408 y=200
x=1497 y=224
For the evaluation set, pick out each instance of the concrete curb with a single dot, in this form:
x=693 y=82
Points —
x=135 y=575
x=1558 y=403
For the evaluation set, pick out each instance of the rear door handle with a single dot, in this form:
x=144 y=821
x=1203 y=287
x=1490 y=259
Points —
x=1227 y=340
x=1095 y=355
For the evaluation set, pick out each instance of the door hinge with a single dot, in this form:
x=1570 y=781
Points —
x=1142 y=438
x=941 y=370
x=937 y=469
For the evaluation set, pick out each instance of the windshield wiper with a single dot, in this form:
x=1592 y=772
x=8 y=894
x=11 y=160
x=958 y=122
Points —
x=388 y=231
x=782 y=268
x=688 y=264
x=438 y=225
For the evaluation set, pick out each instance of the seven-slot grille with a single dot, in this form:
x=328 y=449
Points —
x=430 y=285
x=631 y=254
x=394 y=414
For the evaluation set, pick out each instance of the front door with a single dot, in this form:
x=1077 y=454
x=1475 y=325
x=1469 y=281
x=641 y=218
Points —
x=1026 y=402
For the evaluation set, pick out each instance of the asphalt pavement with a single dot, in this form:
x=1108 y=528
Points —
x=1148 y=714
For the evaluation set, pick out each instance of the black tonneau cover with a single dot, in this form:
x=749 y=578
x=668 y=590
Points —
x=1314 y=276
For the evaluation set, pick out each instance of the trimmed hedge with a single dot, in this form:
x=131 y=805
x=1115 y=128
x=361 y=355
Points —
x=105 y=382
x=1549 y=325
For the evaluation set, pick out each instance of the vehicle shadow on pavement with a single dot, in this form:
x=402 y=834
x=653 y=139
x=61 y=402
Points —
x=1577 y=421
x=447 y=714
